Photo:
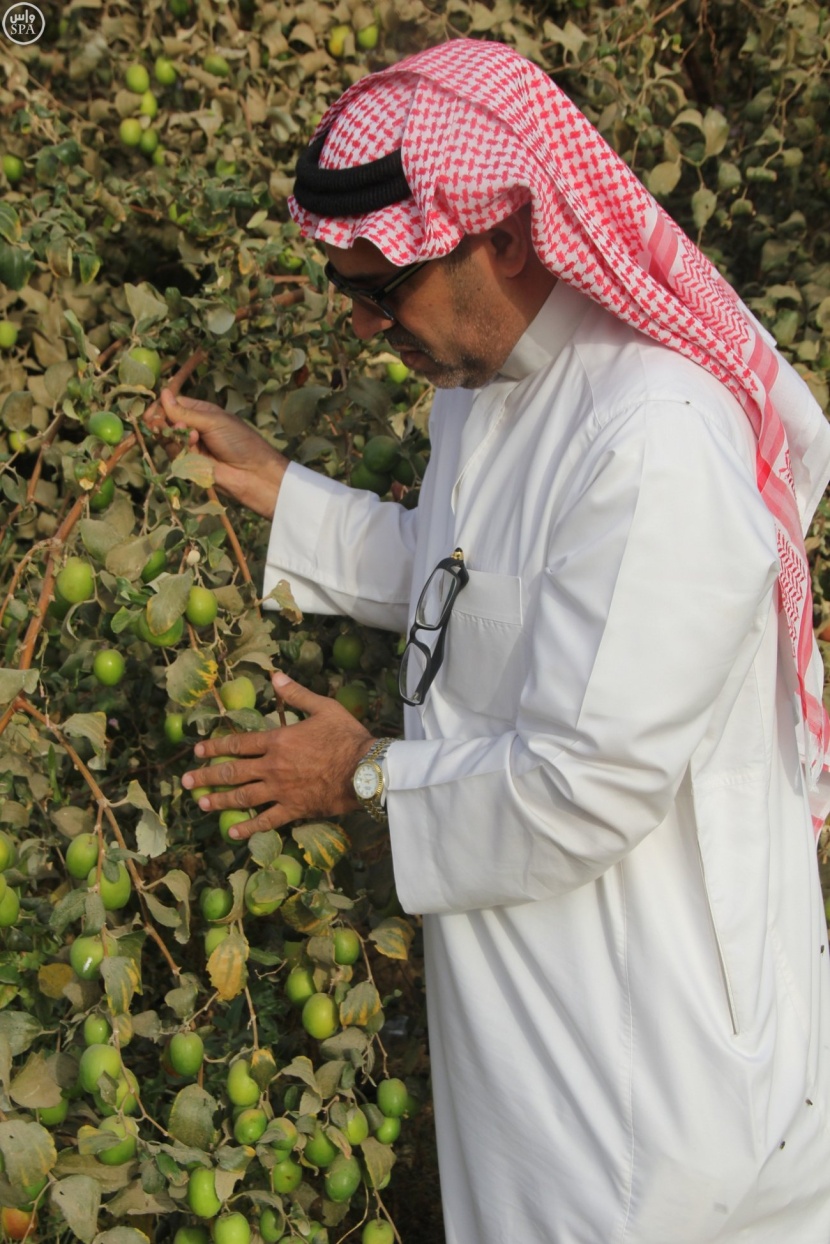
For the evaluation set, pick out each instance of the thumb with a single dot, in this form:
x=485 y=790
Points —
x=298 y=696
x=188 y=410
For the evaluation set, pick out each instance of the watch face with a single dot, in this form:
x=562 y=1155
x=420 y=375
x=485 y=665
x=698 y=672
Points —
x=366 y=780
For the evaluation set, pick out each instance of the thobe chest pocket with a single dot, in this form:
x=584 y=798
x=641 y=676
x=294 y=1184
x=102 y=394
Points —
x=483 y=669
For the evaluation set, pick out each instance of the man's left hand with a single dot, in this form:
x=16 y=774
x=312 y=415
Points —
x=302 y=770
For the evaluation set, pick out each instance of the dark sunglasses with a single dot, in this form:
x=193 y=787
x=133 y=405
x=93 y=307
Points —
x=373 y=300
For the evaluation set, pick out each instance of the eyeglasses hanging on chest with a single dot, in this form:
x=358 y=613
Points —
x=424 y=651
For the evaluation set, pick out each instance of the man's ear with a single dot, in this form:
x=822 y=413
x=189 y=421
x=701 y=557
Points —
x=510 y=246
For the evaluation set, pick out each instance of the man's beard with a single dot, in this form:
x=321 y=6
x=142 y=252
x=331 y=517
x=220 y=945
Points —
x=466 y=372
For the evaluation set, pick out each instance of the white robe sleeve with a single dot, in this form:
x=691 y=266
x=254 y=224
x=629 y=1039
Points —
x=342 y=550
x=656 y=590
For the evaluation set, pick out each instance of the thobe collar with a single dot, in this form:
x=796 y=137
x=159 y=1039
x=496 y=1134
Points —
x=541 y=343
x=547 y=334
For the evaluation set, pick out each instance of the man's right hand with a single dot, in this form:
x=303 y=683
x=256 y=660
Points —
x=244 y=465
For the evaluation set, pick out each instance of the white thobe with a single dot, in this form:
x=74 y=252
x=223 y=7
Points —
x=600 y=809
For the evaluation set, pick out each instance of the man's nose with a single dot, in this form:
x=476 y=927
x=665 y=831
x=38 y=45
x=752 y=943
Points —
x=368 y=322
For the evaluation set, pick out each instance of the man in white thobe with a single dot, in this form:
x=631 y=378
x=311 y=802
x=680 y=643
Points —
x=604 y=801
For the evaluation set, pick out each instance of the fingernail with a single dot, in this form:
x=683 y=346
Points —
x=233 y=833
x=187 y=780
x=279 y=679
x=199 y=749
x=204 y=803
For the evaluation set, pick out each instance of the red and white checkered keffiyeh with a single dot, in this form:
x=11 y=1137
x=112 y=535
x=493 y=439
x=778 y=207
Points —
x=482 y=130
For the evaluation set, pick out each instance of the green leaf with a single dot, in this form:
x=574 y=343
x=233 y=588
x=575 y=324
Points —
x=379 y=1160
x=36 y=1084
x=716 y=131
x=393 y=937
x=191 y=676
x=16 y=414
x=91 y=726
x=13 y=682
x=76 y=328
x=193 y=466
x=220 y=320
x=182 y=999
x=704 y=203
x=78 y=1199
x=145 y=306
x=89 y=265
x=16 y=266
x=19 y=1030
x=191 y=1117
x=689 y=116
x=170 y=600
x=350 y=1044
x=178 y=883
x=265 y=848
x=167 y=916
x=120 y=1235
x=299 y=407
x=99 y=538
x=10 y=227
x=663 y=178
x=328 y=1077
x=301 y=1068
x=28 y=1150
x=70 y=907
x=151 y=832
x=370 y=395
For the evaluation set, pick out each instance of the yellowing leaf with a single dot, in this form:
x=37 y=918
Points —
x=191 y=676
x=282 y=595
x=53 y=978
x=359 y=1005
x=226 y=966
x=322 y=843
x=393 y=937
x=122 y=979
x=305 y=918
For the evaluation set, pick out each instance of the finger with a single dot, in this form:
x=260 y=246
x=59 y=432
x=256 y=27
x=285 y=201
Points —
x=229 y=773
x=189 y=410
x=271 y=818
x=240 y=798
x=250 y=743
x=298 y=696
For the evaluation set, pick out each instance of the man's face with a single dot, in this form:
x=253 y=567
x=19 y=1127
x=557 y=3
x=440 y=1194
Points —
x=447 y=322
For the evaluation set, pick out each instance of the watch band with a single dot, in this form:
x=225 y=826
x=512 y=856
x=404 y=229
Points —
x=374 y=758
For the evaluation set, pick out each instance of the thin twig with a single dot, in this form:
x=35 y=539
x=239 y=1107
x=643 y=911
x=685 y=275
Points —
x=21 y=703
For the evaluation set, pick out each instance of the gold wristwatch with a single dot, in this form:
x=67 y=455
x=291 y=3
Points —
x=368 y=779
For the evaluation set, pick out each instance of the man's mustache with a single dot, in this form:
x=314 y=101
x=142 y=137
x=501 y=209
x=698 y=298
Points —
x=403 y=341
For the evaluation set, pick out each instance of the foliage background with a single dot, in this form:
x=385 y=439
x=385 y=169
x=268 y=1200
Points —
x=722 y=108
